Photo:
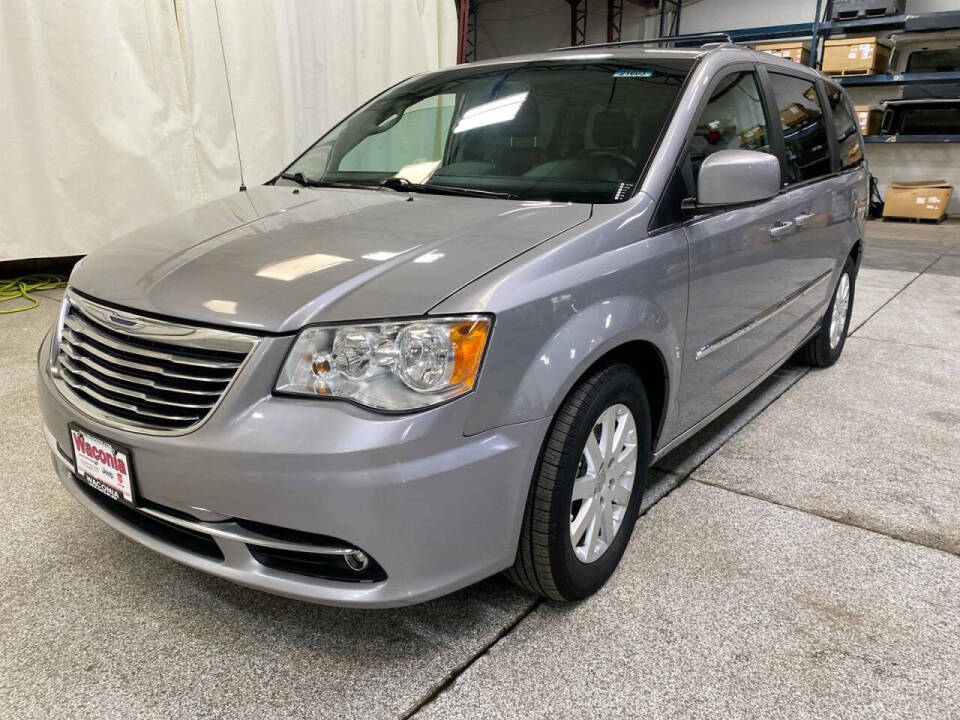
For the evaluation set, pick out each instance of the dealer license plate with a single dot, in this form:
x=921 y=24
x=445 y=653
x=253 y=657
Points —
x=103 y=465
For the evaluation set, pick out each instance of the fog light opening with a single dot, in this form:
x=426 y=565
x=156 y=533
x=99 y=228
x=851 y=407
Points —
x=357 y=561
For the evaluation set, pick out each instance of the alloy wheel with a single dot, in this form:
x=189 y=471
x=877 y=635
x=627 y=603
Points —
x=841 y=303
x=604 y=483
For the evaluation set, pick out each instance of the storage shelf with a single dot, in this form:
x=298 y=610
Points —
x=897 y=78
x=770 y=32
x=934 y=21
x=911 y=138
x=911 y=22
x=890 y=22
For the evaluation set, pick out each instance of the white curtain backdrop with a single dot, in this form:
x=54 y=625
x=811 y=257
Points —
x=115 y=113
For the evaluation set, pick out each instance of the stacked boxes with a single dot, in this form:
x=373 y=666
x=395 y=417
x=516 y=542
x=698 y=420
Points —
x=796 y=51
x=855 y=56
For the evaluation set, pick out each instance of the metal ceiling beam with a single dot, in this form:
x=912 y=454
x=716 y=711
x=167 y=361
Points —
x=671 y=8
x=578 y=22
x=467 y=30
x=463 y=11
x=614 y=20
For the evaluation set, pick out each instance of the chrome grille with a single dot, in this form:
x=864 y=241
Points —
x=141 y=373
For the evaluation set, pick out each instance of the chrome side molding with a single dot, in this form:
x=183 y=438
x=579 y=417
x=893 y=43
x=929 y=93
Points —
x=758 y=320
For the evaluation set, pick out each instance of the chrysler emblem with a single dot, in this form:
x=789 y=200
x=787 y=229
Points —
x=125 y=322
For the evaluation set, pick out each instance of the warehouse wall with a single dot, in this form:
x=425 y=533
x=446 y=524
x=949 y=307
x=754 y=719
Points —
x=511 y=27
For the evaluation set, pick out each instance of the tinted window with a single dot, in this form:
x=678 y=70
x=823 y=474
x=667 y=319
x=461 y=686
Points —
x=845 y=126
x=943 y=60
x=733 y=119
x=539 y=130
x=804 y=132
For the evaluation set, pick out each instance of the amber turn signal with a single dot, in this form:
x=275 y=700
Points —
x=469 y=340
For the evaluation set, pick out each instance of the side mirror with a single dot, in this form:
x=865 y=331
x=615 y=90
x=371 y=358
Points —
x=735 y=177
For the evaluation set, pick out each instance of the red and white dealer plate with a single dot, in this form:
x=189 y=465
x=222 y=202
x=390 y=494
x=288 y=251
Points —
x=103 y=466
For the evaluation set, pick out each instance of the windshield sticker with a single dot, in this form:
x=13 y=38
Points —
x=633 y=72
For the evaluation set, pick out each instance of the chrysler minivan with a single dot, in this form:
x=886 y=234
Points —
x=451 y=337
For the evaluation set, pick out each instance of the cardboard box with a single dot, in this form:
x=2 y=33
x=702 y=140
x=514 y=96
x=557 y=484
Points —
x=796 y=51
x=794 y=114
x=924 y=200
x=854 y=153
x=855 y=56
x=869 y=118
x=754 y=138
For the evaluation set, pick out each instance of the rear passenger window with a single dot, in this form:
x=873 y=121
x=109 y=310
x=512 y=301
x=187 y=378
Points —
x=732 y=120
x=804 y=132
x=845 y=126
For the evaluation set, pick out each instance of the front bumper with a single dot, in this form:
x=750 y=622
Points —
x=436 y=510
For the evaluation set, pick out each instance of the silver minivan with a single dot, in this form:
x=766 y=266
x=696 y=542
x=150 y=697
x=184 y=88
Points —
x=452 y=336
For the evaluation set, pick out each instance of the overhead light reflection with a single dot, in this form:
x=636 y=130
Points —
x=429 y=257
x=381 y=255
x=297 y=267
x=226 y=307
x=491 y=113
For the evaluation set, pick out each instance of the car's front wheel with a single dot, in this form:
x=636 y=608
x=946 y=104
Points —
x=585 y=495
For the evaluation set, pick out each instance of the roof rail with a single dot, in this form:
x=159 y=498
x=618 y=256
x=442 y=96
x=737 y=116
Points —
x=691 y=39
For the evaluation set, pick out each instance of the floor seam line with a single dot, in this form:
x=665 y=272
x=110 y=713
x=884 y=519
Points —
x=895 y=295
x=685 y=477
x=49 y=299
x=905 y=344
x=811 y=513
x=451 y=677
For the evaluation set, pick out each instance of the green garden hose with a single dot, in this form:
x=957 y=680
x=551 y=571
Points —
x=21 y=287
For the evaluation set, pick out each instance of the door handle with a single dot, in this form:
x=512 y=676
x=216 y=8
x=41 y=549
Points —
x=781 y=229
x=803 y=219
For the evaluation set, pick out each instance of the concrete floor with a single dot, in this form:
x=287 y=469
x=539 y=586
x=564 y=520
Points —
x=796 y=559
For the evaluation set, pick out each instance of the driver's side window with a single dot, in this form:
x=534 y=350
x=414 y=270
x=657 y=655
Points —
x=733 y=119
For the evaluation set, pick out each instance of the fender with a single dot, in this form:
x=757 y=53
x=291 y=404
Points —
x=546 y=370
x=563 y=305
x=592 y=334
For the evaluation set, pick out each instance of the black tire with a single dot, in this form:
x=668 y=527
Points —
x=546 y=562
x=818 y=352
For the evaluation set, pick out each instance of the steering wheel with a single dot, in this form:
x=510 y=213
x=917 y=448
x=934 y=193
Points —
x=625 y=165
x=615 y=156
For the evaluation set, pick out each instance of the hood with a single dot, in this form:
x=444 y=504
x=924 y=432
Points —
x=273 y=260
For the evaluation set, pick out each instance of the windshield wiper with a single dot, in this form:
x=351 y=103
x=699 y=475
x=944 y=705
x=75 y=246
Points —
x=403 y=185
x=395 y=183
x=300 y=179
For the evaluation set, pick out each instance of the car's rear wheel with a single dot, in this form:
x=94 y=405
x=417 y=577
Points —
x=586 y=492
x=824 y=348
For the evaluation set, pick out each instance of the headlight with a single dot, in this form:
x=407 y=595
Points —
x=393 y=366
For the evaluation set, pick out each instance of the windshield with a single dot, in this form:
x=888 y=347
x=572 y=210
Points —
x=539 y=131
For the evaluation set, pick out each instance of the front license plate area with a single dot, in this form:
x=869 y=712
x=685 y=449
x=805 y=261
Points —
x=103 y=465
